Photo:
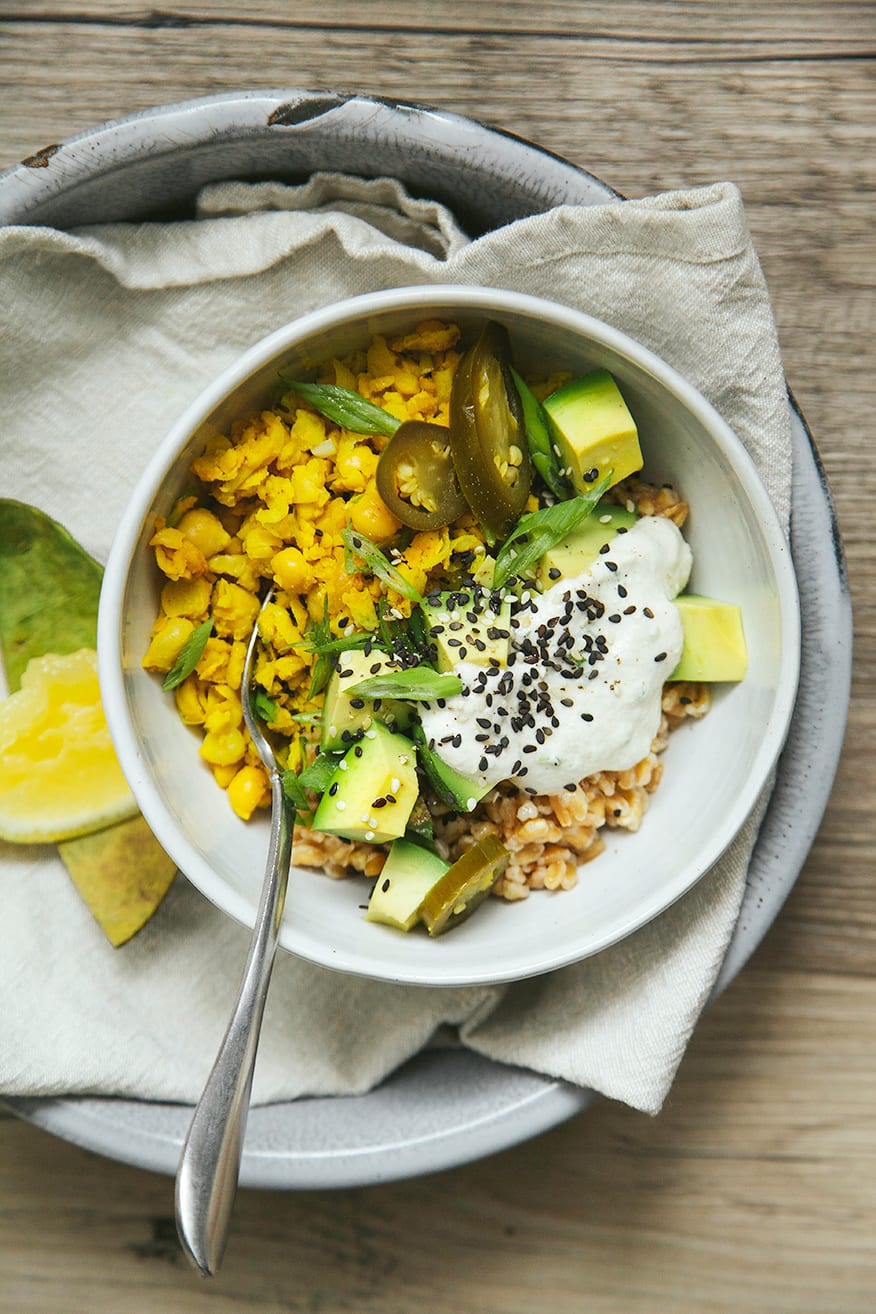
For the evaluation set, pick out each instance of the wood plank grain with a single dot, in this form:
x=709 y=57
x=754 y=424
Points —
x=755 y=1189
x=757 y=1180
x=805 y=28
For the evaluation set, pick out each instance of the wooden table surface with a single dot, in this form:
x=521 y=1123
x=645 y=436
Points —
x=755 y=1189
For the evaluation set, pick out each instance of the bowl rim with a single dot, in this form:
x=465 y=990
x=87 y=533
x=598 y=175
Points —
x=486 y=301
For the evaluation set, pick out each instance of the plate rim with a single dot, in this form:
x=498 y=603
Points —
x=89 y=1122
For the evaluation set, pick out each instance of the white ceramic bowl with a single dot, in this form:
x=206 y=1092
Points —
x=715 y=769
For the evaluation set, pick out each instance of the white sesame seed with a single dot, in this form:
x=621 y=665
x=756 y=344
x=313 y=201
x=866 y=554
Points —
x=470 y=804
x=369 y=834
x=340 y=804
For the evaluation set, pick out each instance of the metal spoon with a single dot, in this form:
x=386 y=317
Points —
x=206 y=1180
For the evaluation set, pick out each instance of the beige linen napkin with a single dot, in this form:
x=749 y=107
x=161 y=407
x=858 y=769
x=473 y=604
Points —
x=108 y=333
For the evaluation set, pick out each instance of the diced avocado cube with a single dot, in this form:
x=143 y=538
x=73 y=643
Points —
x=344 y=713
x=465 y=626
x=594 y=430
x=408 y=875
x=714 y=643
x=372 y=794
x=577 y=553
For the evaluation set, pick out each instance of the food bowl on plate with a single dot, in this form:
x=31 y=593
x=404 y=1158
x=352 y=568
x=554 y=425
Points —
x=713 y=769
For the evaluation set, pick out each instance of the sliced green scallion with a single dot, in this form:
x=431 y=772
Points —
x=345 y=407
x=357 y=545
x=419 y=684
x=539 y=531
x=189 y=656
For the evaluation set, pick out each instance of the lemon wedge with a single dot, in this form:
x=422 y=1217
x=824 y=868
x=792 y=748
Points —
x=59 y=775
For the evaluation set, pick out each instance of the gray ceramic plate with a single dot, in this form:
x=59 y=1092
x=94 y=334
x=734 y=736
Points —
x=447 y=1106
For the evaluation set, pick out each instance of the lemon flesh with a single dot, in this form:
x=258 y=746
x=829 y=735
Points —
x=59 y=775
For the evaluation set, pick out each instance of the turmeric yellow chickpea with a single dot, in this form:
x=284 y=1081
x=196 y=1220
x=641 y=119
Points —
x=205 y=530
x=369 y=515
x=223 y=747
x=186 y=597
x=248 y=790
x=188 y=702
x=223 y=775
x=167 y=644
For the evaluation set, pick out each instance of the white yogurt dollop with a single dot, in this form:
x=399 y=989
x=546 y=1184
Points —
x=586 y=665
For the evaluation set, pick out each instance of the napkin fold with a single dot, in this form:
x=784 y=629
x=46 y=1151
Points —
x=110 y=331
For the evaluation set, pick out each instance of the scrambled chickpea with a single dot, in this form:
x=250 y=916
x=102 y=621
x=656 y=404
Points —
x=274 y=499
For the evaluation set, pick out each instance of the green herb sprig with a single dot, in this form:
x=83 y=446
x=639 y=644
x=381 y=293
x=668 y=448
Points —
x=189 y=656
x=539 y=531
x=345 y=407
x=319 y=773
x=357 y=545
x=418 y=684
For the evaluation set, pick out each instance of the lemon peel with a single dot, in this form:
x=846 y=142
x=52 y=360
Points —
x=59 y=775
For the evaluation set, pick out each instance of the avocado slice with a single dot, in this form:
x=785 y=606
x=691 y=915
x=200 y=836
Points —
x=408 y=875
x=577 y=553
x=344 y=714
x=714 y=642
x=457 y=791
x=372 y=794
x=483 y=640
x=594 y=430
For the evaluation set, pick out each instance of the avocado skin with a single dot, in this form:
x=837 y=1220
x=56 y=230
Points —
x=714 y=642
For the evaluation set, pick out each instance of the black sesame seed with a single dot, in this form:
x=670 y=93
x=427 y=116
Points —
x=648 y=612
x=357 y=703
x=378 y=803
x=621 y=591
x=385 y=885
x=586 y=716
x=529 y=748
x=571 y=789
x=333 y=789
x=661 y=657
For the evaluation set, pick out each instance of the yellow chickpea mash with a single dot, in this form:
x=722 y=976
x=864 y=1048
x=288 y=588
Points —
x=275 y=495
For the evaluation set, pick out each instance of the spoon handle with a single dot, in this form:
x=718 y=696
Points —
x=209 y=1166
